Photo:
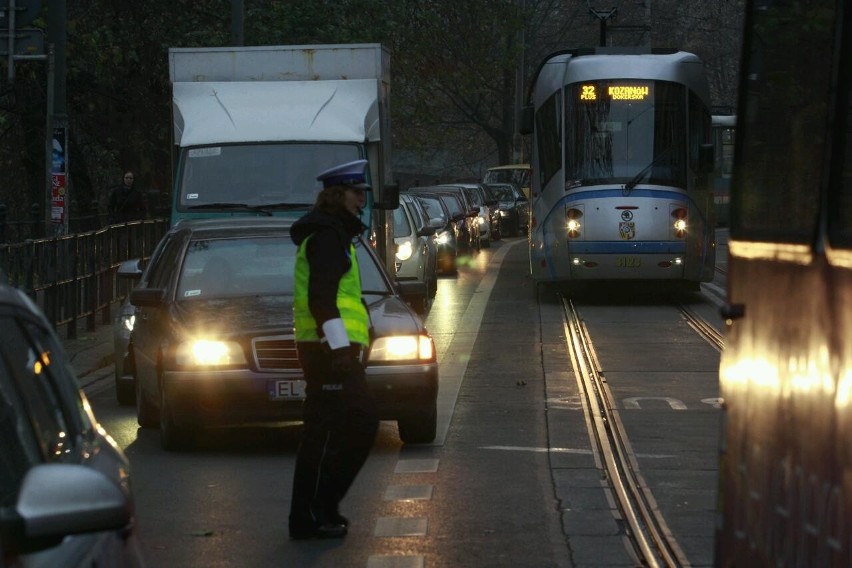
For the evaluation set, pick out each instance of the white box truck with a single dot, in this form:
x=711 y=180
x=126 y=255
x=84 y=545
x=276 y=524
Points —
x=253 y=126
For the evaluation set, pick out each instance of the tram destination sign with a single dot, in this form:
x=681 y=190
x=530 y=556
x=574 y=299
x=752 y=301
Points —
x=616 y=91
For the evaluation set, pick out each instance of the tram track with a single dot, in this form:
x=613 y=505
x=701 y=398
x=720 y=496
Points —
x=702 y=327
x=646 y=527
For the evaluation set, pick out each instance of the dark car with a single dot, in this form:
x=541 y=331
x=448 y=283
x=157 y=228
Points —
x=214 y=346
x=467 y=225
x=481 y=197
x=445 y=237
x=513 y=208
x=65 y=496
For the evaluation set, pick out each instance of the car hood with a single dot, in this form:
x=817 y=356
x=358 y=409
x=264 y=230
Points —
x=237 y=314
x=389 y=315
x=507 y=204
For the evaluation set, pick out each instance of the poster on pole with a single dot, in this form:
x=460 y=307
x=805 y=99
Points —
x=59 y=177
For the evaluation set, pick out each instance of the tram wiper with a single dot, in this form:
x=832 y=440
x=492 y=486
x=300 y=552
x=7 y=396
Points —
x=628 y=187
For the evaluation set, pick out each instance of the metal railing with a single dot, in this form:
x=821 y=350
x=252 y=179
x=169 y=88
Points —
x=73 y=277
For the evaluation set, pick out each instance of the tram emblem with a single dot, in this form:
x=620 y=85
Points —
x=627 y=215
x=627 y=230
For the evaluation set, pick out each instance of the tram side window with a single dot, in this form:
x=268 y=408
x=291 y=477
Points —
x=700 y=131
x=781 y=147
x=549 y=138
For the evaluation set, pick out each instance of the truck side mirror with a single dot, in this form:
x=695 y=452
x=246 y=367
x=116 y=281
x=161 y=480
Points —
x=389 y=198
x=526 y=120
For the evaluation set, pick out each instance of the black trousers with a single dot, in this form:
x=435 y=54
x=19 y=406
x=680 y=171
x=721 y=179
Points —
x=340 y=425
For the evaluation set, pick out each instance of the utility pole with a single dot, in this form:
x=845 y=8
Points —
x=56 y=128
x=517 y=158
x=237 y=21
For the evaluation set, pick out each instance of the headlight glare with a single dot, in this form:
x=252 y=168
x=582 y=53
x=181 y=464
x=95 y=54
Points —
x=402 y=348
x=404 y=250
x=209 y=353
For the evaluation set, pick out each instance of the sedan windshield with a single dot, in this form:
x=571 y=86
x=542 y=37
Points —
x=252 y=266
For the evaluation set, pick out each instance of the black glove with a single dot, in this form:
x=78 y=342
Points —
x=342 y=361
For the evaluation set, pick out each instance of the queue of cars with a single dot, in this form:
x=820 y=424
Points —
x=226 y=284
x=65 y=485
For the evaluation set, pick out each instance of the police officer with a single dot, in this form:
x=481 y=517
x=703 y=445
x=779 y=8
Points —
x=332 y=333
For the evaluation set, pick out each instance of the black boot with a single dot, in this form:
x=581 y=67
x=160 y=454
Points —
x=317 y=526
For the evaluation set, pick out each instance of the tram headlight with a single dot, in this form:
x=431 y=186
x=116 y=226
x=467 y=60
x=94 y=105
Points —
x=679 y=225
x=574 y=215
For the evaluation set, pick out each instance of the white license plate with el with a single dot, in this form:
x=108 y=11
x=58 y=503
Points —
x=286 y=390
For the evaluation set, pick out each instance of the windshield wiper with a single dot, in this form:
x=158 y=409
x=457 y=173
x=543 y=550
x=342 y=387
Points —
x=231 y=206
x=628 y=187
x=265 y=209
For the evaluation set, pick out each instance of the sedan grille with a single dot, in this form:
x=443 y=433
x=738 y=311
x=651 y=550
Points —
x=275 y=353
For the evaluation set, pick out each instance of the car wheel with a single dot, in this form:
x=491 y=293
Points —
x=125 y=391
x=419 y=427
x=146 y=413
x=172 y=436
x=486 y=243
x=421 y=304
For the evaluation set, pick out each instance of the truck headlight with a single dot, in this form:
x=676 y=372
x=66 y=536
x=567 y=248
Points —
x=402 y=348
x=209 y=353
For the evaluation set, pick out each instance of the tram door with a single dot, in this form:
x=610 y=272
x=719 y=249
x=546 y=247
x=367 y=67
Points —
x=786 y=372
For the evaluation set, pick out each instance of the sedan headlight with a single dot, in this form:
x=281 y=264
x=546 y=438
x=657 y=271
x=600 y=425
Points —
x=443 y=237
x=209 y=353
x=404 y=250
x=402 y=348
x=125 y=324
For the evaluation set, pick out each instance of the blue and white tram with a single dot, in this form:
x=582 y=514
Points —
x=622 y=162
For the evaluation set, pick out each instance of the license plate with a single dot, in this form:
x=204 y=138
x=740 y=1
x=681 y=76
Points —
x=628 y=262
x=286 y=390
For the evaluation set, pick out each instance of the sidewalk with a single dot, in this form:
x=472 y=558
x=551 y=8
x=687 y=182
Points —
x=91 y=356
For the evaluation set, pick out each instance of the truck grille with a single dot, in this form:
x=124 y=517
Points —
x=275 y=353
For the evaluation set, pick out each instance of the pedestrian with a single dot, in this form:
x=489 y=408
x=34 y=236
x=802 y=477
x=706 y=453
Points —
x=332 y=334
x=126 y=203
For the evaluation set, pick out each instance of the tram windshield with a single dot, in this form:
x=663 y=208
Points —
x=625 y=132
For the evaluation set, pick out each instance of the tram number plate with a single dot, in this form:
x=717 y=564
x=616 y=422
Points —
x=628 y=262
x=286 y=390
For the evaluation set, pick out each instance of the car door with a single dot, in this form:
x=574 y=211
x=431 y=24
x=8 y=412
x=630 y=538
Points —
x=152 y=323
x=44 y=419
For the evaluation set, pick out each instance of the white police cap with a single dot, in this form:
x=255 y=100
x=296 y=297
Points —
x=351 y=174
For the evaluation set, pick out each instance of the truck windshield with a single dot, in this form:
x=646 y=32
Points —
x=618 y=131
x=256 y=174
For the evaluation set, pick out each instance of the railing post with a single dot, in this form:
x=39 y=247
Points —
x=35 y=212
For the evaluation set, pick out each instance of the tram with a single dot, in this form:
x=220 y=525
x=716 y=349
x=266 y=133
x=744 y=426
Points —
x=785 y=469
x=622 y=157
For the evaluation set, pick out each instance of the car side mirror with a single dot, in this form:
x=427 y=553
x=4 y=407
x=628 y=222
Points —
x=437 y=222
x=426 y=231
x=131 y=269
x=148 y=297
